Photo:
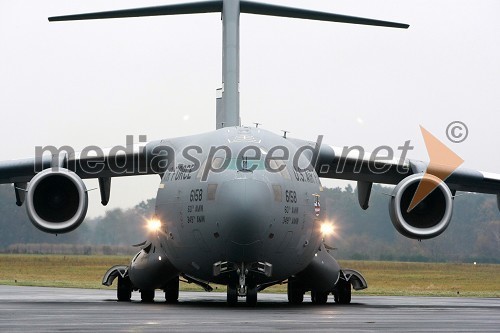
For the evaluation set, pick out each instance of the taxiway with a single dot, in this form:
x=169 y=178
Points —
x=35 y=309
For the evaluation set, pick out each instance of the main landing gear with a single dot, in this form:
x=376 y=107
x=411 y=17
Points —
x=124 y=289
x=295 y=292
x=318 y=297
x=147 y=296
x=341 y=293
x=171 y=290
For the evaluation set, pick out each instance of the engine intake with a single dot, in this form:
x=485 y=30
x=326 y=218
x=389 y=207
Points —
x=56 y=200
x=430 y=217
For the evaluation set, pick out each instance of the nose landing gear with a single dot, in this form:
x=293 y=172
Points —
x=245 y=287
x=248 y=290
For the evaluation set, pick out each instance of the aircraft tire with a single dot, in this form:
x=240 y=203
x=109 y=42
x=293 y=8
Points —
x=319 y=297
x=147 y=296
x=232 y=295
x=343 y=293
x=295 y=293
x=124 y=289
x=172 y=290
x=252 y=296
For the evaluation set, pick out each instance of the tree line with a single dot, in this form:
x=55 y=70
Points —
x=473 y=234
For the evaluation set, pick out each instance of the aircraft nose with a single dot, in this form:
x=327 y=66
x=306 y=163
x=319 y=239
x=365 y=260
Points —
x=245 y=212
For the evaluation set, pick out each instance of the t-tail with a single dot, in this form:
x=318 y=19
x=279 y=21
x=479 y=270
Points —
x=228 y=101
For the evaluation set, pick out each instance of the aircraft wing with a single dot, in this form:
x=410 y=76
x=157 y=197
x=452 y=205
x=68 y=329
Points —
x=421 y=204
x=132 y=160
x=337 y=163
x=353 y=163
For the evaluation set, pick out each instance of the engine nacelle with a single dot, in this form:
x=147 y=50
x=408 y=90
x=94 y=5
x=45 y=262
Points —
x=430 y=217
x=56 y=200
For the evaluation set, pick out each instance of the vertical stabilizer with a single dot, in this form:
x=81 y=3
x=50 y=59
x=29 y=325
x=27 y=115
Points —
x=230 y=63
x=228 y=103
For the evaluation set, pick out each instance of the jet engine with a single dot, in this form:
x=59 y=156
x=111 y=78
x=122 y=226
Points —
x=430 y=217
x=56 y=200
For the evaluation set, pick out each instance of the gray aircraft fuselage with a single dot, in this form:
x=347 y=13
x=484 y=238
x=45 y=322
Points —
x=246 y=214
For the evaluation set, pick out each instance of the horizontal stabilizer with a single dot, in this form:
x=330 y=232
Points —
x=275 y=10
x=177 y=9
x=217 y=6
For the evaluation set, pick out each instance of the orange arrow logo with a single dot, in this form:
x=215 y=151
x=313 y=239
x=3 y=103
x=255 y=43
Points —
x=442 y=162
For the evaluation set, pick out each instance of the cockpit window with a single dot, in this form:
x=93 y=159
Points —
x=201 y=170
x=217 y=163
x=280 y=165
x=246 y=164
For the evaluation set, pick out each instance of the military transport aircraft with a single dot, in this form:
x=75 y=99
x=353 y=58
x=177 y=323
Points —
x=238 y=206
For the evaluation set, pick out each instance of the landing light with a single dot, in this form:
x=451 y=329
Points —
x=153 y=225
x=327 y=228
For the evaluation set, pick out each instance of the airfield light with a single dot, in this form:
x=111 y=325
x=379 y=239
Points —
x=153 y=224
x=327 y=228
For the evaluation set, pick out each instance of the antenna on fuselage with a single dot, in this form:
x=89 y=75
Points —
x=228 y=108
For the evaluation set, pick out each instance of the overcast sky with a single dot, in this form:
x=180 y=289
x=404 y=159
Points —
x=93 y=82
